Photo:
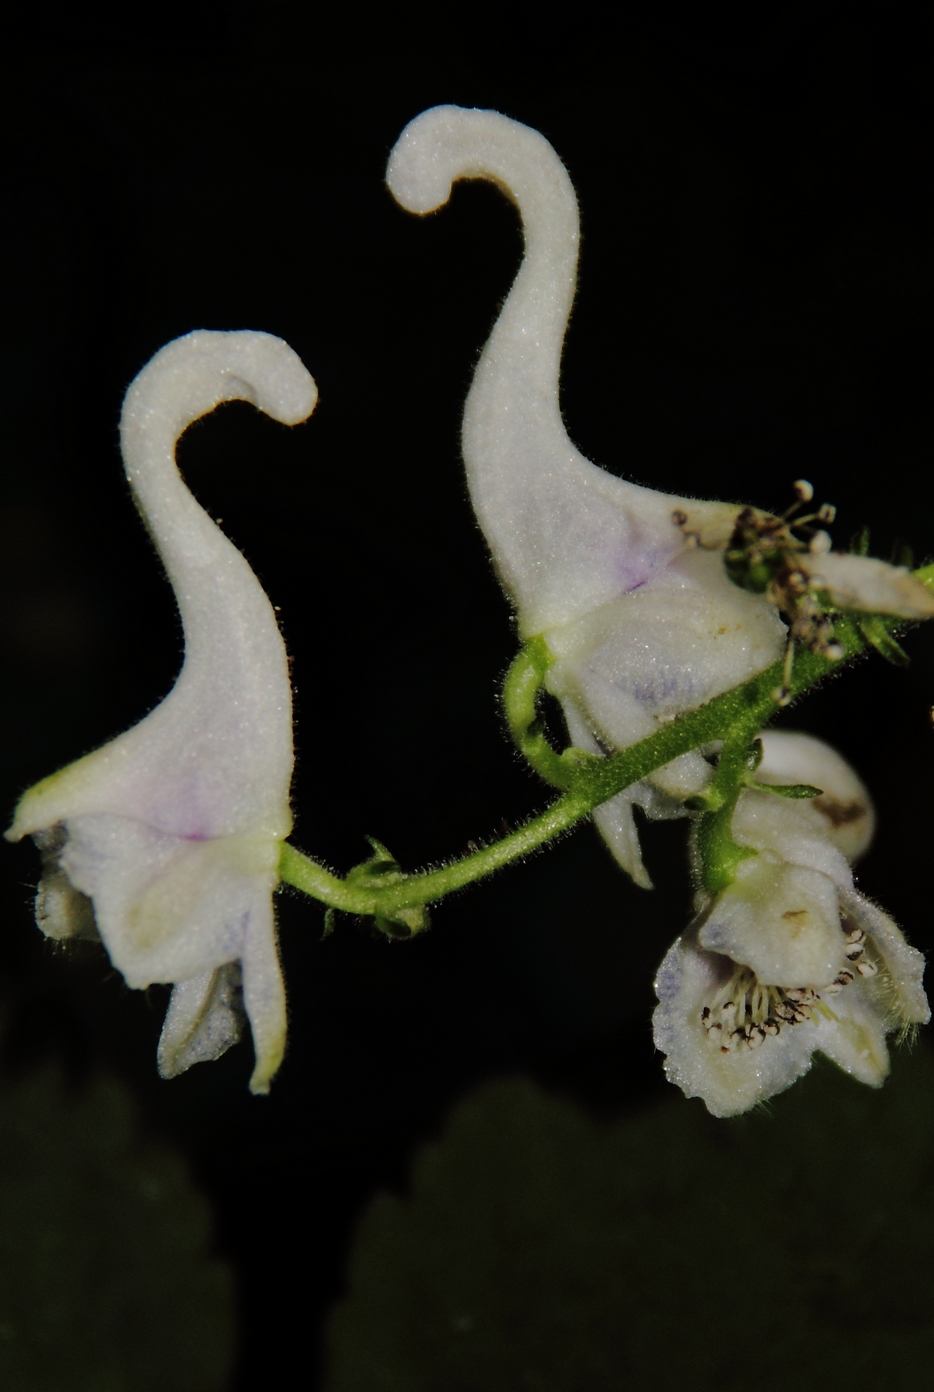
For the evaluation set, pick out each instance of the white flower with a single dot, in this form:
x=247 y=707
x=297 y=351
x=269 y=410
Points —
x=626 y=584
x=172 y=831
x=790 y=958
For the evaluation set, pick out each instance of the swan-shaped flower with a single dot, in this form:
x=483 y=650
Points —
x=790 y=958
x=166 y=841
x=626 y=585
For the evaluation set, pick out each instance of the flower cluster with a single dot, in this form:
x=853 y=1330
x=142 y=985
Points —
x=168 y=842
x=789 y=958
x=651 y=605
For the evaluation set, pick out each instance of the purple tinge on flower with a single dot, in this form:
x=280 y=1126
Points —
x=166 y=841
x=642 y=623
x=789 y=959
x=626 y=584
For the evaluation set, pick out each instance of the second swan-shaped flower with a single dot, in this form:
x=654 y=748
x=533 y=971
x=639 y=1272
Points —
x=627 y=585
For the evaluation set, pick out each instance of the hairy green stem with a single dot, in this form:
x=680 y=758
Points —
x=589 y=781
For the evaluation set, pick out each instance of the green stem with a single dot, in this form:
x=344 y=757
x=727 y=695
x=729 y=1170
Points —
x=311 y=878
x=521 y=690
x=428 y=886
x=741 y=712
x=718 y=853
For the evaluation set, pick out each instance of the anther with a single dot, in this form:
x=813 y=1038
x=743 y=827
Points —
x=804 y=491
x=867 y=968
x=819 y=544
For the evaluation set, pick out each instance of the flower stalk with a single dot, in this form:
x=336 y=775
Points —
x=588 y=780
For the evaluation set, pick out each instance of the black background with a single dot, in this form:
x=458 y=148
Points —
x=755 y=305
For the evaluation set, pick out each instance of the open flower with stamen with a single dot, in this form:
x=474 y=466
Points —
x=790 y=958
x=166 y=841
x=627 y=585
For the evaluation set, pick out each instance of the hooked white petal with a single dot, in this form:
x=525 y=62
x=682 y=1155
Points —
x=173 y=830
x=215 y=757
x=566 y=536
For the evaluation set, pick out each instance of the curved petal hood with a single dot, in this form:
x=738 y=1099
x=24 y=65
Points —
x=643 y=622
x=566 y=536
x=172 y=830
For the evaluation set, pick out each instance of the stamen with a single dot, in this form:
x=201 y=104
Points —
x=746 y=1012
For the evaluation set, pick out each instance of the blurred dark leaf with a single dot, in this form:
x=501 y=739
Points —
x=540 y=1250
x=106 y=1281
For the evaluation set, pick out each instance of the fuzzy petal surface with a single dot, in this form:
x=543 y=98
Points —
x=728 y=1083
x=171 y=833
